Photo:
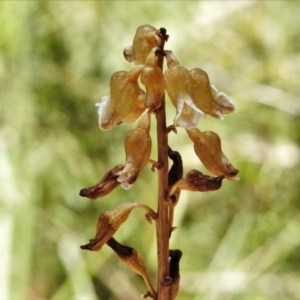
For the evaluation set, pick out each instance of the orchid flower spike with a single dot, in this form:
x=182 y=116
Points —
x=207 y=97
x=115 y=107
x=179 y=88
x=137 y=149
x=153 y=80
x=146 y=38
x=207 y=146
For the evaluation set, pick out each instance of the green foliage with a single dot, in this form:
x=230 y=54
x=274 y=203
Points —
x=56 y=58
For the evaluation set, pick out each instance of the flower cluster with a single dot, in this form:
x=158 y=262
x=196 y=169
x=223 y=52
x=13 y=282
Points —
x=193 y=97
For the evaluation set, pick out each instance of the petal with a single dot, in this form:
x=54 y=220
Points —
x=104 y=113
x=188 y=114
x=225 y=103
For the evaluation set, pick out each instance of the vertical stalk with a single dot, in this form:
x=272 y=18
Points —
x=162 y=224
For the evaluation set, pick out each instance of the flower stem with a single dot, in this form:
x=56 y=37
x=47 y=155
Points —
x=162 y=222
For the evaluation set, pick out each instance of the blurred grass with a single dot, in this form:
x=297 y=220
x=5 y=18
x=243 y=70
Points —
x=56 y=58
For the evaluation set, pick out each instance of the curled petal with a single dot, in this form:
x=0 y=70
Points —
x=110 y=221
x=137 y=149
x=133 y=260
x=104 y=186
x=124 y=93
x=146 y=38
x=225 y=104
x=197 y=182
x=179 y=88
x=207 y=146
x=153 y=80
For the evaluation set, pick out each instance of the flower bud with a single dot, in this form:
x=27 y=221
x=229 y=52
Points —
x=146 y=38
x=207 y=146
x=124 y=93
x=153 y=80
x=179 y=88
x=207 y=97
x=137 y=149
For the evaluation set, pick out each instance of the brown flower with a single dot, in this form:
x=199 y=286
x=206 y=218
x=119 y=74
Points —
x=197 y=182
x=207 y=146
x=179 y=88
x=115 y=107
x=146 y=38
x=110 y=221
x=104 y=186
x=207 y=97
x=133 y=260
x=174 y=273
x=137 y=149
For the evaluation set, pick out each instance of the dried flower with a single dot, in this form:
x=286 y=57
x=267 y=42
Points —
x=175 y=174
x=197 y=182
x=110 y=221
x=207 y=97
x=179 y=88
x=153 y=80
x=137 y=149
x=133 y=260
x=174 y=273
x=124 y=93
x=104 y=186
x=146 y=38
x=207 y=146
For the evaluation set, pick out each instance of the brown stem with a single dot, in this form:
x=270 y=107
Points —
x=162 y=224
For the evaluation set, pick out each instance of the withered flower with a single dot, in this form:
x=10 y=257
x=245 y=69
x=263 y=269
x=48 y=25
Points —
x=179 y=88
x=197 y=182
x=174 y=273
x=146 y=38
x=133 y=260
x=110 y=221
x=207 y=146
x=124 y=93
x=104 y=186
x=207 y=97
x=153 y=80
x=137 y=149
x=174 y=175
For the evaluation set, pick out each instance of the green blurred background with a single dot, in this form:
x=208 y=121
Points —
x=56 y=58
